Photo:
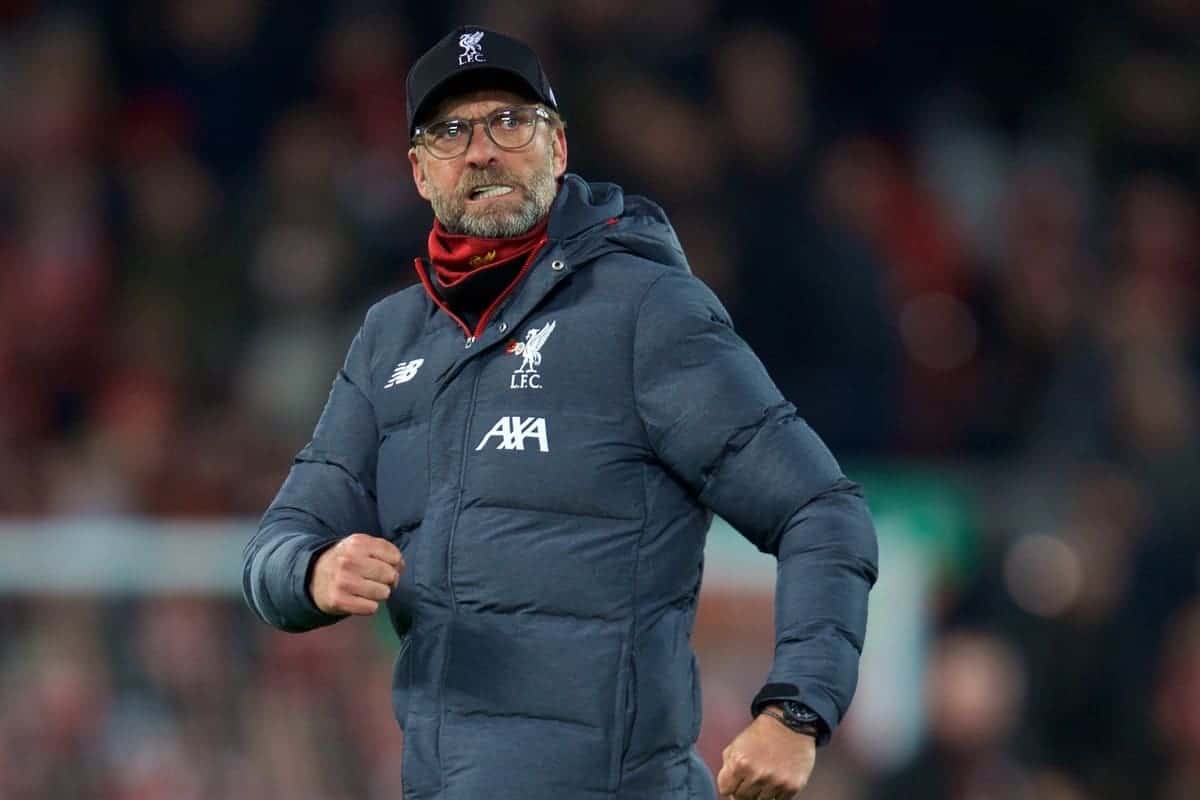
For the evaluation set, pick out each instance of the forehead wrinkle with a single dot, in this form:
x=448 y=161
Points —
x=477 y=104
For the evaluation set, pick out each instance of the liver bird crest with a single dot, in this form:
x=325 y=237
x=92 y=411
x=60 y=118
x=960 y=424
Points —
x=531 y=349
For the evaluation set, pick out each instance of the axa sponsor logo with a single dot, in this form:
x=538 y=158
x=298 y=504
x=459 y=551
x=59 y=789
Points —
x=404 y=372
x=512 y=433
x=526 y=376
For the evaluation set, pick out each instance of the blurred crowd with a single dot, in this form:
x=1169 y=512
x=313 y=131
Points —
x=962 y=234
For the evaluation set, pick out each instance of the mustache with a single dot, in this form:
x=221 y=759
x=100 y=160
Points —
x=486 y=177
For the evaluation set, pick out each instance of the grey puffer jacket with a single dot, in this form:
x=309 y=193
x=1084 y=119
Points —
x=550 y=484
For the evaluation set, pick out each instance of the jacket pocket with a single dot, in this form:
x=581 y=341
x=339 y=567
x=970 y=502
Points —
x=626 y=718
x=402 y=476
x=630 y=705
x=666 y=715
x=401 y=680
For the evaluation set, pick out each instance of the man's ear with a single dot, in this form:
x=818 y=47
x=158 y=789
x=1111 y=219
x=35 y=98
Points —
x=559 y=147
x=419 y=178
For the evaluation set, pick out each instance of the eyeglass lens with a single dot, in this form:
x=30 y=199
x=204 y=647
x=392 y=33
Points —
x=508 y=128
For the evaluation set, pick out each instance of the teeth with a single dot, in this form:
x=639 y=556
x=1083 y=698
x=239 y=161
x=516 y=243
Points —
x=490 y=191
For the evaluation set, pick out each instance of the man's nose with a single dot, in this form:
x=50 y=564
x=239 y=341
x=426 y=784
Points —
x=481 y=150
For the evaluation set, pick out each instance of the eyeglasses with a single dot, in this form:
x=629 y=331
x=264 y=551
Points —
x=508 y=128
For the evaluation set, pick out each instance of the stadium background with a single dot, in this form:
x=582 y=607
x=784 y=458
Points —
x=963 y=236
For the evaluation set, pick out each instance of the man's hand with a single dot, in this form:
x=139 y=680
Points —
x=355 y=575
x=767 y=761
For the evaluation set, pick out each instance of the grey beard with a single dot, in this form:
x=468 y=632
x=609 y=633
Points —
x=539 y=196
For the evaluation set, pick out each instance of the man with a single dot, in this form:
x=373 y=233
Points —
x=521 y=457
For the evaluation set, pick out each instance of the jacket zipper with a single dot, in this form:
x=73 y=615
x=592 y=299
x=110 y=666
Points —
x=462 y=474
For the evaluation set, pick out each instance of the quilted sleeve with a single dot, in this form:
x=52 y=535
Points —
x=328 y=494
x=715 y=418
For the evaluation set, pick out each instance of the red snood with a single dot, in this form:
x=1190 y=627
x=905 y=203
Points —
x=472 y=274
x=457 y=257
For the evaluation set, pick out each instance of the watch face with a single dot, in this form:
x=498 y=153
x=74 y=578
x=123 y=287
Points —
x=799 y=711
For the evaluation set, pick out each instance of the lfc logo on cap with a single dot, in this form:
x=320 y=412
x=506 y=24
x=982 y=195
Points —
x=472 y=51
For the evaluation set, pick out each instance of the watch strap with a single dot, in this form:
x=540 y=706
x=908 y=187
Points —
x=793 y=724
x=787 y=697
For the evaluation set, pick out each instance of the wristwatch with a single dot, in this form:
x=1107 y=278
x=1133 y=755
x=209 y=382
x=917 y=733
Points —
x=796 y=716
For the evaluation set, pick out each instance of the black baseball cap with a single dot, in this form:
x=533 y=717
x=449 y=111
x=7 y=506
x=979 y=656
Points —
x=469 y=54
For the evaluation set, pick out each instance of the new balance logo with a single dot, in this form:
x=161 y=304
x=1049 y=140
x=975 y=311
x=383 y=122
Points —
x=404 y=372
x=513 y=431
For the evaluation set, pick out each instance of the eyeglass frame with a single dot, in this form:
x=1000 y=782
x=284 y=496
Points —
x=541 y=114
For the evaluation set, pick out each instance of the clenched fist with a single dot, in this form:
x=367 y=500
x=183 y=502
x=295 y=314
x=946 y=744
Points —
x=355 y=575
x=767 y=761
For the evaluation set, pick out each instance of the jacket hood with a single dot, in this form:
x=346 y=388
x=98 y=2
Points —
x=595 y=219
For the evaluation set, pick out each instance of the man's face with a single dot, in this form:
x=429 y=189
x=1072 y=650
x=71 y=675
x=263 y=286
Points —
x=453 y=186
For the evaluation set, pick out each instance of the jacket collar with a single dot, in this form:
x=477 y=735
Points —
x=587 y=221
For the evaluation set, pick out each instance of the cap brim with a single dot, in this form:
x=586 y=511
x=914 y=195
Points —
x=473 y=78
